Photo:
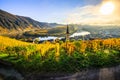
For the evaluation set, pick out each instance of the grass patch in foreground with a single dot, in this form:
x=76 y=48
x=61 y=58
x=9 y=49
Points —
x=65 y=63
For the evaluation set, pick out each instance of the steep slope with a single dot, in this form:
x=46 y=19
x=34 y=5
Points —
x=10 y=22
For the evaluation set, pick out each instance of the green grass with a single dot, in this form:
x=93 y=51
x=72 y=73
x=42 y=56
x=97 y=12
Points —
x=3 y=55
x=66 y=63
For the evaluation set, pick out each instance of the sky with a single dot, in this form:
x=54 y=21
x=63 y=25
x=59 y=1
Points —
x=61 y=11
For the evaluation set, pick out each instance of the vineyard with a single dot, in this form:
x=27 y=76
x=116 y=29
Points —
x=69 y=56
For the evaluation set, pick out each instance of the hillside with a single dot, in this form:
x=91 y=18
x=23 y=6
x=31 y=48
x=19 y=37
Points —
x=61 y=56
x=10 y=22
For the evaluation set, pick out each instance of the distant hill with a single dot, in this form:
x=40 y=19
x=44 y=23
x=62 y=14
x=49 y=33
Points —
x=10 y=22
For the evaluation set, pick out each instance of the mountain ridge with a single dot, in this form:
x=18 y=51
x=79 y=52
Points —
x=10 y=22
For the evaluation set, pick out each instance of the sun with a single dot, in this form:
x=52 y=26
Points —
x=107 y=8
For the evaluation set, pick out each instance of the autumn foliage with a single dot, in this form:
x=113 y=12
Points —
x=61 y=56
x=24 y=48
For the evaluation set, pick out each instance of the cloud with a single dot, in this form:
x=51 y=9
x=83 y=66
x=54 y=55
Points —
x=90 y=14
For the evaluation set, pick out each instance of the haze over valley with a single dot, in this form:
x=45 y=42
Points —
x=20 y=27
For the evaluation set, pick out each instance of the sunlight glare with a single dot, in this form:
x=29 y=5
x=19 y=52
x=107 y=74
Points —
x=107 y=8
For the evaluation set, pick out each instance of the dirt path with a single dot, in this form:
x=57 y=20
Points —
x=112 y=73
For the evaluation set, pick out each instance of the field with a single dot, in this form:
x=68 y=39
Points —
x=60 y=56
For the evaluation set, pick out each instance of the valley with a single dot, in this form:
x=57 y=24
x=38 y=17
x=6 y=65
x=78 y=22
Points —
x=26 y=29
x=87 y=51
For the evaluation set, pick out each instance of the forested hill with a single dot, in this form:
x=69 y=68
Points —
x=10 y=22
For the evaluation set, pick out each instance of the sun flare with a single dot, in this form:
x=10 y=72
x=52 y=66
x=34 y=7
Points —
x=107 y=8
